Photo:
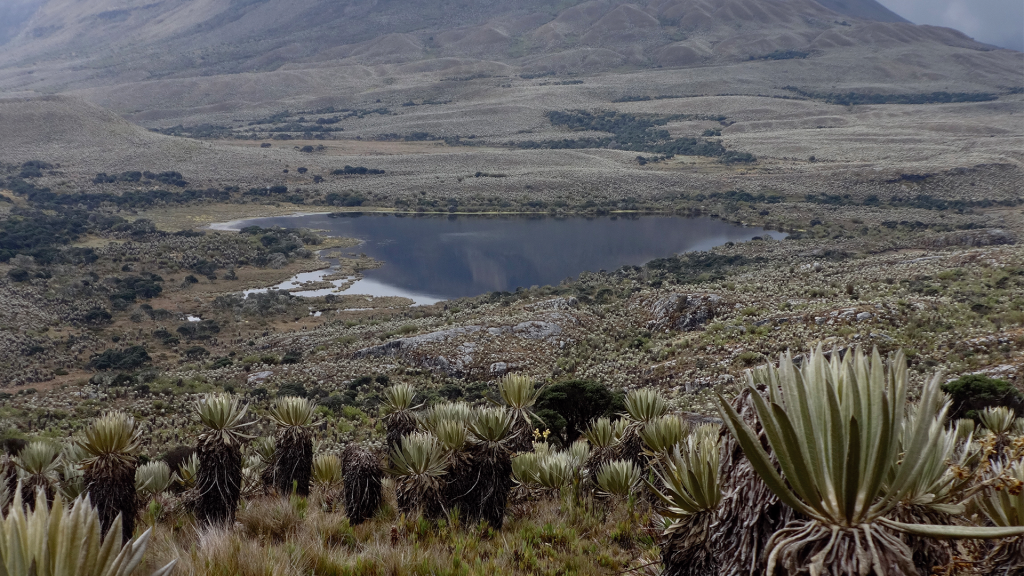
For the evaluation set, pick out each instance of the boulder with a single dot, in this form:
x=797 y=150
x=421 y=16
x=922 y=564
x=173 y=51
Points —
x=685 y=312
x=473 y=350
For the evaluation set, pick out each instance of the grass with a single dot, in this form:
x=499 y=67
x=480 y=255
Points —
x=280 y=537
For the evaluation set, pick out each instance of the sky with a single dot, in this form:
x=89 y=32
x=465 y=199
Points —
x=998 y=22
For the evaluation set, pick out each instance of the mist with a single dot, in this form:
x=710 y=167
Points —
x=998 y=22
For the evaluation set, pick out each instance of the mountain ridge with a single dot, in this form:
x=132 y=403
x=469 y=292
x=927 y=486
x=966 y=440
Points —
x=177 y=61
x=207 y=37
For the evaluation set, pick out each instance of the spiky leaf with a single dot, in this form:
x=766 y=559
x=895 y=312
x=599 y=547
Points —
x=618 y=477
x=645 y=404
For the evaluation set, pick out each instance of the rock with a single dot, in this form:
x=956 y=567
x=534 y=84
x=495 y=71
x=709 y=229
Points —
x=554 y=304
x=102 y=378
x=701 y=419
x=397 y=347
x=864 y=316
x=686 y=312
x=537 y=330
x=258 y=377
x=448 y=352
x=985 y=237
x=278 y=261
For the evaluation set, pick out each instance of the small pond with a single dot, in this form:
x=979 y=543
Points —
x=433 y=258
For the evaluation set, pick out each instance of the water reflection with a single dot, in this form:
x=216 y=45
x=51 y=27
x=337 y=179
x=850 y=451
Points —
x=431 y=258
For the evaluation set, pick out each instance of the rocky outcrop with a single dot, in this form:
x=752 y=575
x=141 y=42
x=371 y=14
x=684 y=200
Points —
x=685 y=312
x=476 y=351
x=973 y=238
x=554 y=304
x=404 y=345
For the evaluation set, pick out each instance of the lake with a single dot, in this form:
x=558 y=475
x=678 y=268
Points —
x=433 y=258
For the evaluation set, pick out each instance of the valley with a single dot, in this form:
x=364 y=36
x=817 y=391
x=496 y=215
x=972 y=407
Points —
x=657 y=197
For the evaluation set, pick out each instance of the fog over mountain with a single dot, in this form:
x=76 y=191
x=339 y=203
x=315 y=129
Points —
x=997 y=22
x=14 y=16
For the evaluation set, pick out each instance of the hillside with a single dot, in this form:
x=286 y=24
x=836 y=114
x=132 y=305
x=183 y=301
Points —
x=230 y=55
x=865 y=9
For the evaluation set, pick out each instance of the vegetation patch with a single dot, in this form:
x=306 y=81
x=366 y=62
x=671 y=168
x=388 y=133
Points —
x=635 y=133
x=862 y=98
x=131 y=358
x=973 y=393
x=355 y=170
x=782 y=55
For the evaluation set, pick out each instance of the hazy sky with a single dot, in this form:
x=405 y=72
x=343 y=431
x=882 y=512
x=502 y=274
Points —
x=999 y=22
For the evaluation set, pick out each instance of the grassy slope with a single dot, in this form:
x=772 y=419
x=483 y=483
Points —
x=551 y=535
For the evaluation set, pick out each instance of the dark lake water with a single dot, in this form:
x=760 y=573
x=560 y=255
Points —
x=431 y=258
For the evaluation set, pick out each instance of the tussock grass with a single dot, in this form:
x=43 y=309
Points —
x=562 y=535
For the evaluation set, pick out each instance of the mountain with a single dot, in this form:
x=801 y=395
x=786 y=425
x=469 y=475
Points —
x=863 y=9
x=68 y=44
x=167 y=62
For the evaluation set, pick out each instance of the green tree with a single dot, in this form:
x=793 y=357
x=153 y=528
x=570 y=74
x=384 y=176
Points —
x=567 y=407
x=973 y=393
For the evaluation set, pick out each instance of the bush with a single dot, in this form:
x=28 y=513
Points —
x=202 y=330
x=196 y=352
x=128 y=359
x=783 y=55
x=13 y=446
x=972 y=393
x=18 y=275
x=633 y=132
x=175 y=457
x=357 y=170
x=96 y=317
x=568 y=407
x=36 y=233
x=335 y=402
x=33 y=169
x=860 y=98
x=292 y=389
x=344 y=199
x=132 y=287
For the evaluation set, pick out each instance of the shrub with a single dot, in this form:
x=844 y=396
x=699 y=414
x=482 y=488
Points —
x=33 y=169
x=637 y=133
x=358 y=170
x=344 y=199
x=18 y=275
x=128 y=359
x=292 y=389
x=196 y=352
x=567 y=407
x=177 y=456
x=202 y=330
x=335 y=402
x=972 y=393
